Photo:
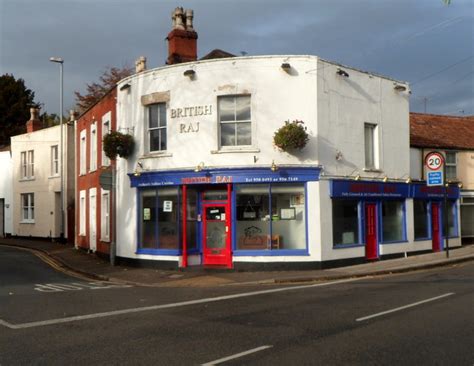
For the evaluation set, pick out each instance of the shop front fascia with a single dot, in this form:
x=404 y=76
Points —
x=210 y=216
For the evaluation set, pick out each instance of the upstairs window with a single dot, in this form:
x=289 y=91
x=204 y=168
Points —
x=370 y=142
x=105 y=131
x=82 y=153
x=235 y=121
x=157 y=127
x=451 y=172
x=27 y=164
x=93 y=152
x=54 y=160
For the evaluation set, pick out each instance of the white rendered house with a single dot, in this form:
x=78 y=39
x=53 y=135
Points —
x=6 y=208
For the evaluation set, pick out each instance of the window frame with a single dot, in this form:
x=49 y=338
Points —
x=159 y=128
x=360 y=237
x=54 y=160
x=93 y=147
x=30 y=208
x=427 y=218
x=105 y=130
x=404 y=238
x=451 y=165
x=235 y=122
x=83 y=153
x=371 y=162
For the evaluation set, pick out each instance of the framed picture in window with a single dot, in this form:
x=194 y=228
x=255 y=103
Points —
x=287 y=214
x=297 y=199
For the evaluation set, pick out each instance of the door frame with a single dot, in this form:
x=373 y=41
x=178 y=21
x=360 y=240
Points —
x=93 y=219
x=372 y=251
x=436 y=207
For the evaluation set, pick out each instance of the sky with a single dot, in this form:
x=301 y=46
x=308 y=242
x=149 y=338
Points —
x=424 y=42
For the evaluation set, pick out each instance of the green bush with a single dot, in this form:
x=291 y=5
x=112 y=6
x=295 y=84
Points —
x=117 y=143
x=291 y=136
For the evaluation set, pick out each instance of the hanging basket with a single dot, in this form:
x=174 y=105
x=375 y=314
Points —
x=292 y=136
x=117 y=143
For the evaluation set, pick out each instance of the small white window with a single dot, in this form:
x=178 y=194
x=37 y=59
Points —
x=93 y=152
x=371 y=148
x=105 y=216
x=54 y=160
x=105 y=130
x=451 y=171
x=27 y=164
x=31 y=164
x=82 y=213
x=28 y=207
x=83 y=151
x=235 y=121
x=157 y=127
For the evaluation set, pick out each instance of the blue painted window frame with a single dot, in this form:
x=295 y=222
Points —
x=157 y=251
x=360 y=221
x=271 y=252
x=404 y=222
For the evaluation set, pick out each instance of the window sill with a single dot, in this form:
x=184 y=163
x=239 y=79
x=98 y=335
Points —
x=270 y=253
x=228 y=150
x=422 y=239
x=394 y=242
x=372 y=170
x=105 y=240
x=26 y=179
x=27 y=222
x=347 y=246
x=53 y=176
x=156 y=154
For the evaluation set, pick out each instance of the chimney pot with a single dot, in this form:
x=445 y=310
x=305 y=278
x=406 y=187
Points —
x=140 y=64
x=182 y=40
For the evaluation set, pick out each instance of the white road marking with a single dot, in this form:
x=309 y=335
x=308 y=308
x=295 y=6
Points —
x=237 y=355
x=75 y=286
x=168 y=306
x=404 y=307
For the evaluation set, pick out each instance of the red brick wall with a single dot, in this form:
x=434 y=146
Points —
x=91 y=179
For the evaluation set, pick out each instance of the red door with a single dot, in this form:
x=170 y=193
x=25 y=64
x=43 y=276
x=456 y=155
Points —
x=371 y=250
x=435 y=227
x=216 y=235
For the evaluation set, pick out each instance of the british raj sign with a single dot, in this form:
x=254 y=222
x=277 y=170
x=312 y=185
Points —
x=195 y=111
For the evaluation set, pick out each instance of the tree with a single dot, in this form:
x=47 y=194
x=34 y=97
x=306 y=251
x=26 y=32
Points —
x=15 y=102
x=97 y=90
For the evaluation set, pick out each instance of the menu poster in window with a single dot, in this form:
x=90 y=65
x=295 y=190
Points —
x=287 y=214
x=167 y=206
x=146 y=214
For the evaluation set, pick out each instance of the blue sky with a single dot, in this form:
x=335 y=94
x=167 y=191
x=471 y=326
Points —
x=424 y=42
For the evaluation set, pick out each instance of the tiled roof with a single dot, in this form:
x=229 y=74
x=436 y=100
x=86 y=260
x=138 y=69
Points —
x=217 y=53
x=443 y=132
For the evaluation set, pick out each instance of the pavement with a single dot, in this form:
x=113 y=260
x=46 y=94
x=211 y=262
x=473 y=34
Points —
x=78 y=262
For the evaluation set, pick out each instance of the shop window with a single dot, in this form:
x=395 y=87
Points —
x=157 y=127
x=421 y=216
x=271 y=217
x=345 y=221
x=452 y=222
x=235 y=121
x=467 y=217
x=159 y=218
x=451 y=173
x=393 y=221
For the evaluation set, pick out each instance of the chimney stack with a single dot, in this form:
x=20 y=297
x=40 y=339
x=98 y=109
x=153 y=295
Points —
x=140 y=64
x=34 y=124
x=182 y=40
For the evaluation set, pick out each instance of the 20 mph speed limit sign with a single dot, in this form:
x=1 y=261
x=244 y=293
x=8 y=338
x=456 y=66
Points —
x=434 y=161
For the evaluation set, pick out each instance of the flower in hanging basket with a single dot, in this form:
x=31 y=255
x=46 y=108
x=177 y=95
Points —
x=117 y=143
x=291 y=136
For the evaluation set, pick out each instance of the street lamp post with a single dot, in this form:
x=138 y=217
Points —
x=60 y=61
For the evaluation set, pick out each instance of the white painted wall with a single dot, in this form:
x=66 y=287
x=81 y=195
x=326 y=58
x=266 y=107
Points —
x=416 y=163
x=6 y=189
x=333 y=108
x=44 y=185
